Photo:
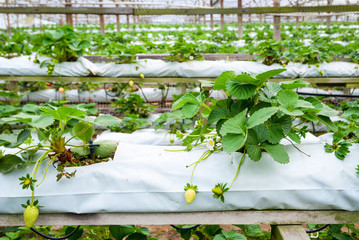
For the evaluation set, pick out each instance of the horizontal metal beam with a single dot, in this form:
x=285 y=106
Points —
x=217 y=217
x=64 y=10
x=173 y=11
x=256 y=10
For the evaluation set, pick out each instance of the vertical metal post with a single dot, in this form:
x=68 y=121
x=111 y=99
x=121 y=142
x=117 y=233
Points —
x=41 y=28
x=128 y=21
x=222 y=15
x=8 y=21
x=118 y=24
x=297 y=21
x=211 y=16
x=276 y=22
x=240 y=20
x=249 y=15
x=102 y=21
x=68 y=15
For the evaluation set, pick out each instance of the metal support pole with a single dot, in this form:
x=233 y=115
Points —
x=276 y=22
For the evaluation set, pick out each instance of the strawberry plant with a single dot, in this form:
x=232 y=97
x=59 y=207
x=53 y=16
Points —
x=54 y=147
x=347 y=131
x=133 y=105
x=253 y=119
x=61 y=45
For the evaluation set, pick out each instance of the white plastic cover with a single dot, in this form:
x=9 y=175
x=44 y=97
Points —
x=23 y=66
x=144 y=178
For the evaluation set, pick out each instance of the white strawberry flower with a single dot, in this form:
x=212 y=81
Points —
x=314 y=235
x=210 y=144
x=191 y=57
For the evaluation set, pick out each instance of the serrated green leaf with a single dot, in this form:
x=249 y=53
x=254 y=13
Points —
x=269 y=92
x=262 y=132
x=107 y=121
x=42 y=122
x=261 y=116
x=275 y=133
x=294 y=137
x=187 y=98
x=230 y=235
x=328 y=122
x=235 y=125
x=83 y=131
x=239 y=90
x=351 y=112
x=269 y=74
x=245 y=78
x=190 y=109
x=217 y=114
x=304 y=104
x=327 y=111
x=277 y=152
x=294 y=84
x=253 y=231
x=252 y=146
x=286 y=123
x=120 y=232
x=287 y=98
x=220 y=83
x=9 y=162
x=291 y=112
x=315 y=102
x=23 y=136
x=232 y=142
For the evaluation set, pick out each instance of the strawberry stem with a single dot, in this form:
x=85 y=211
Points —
x=239 y=166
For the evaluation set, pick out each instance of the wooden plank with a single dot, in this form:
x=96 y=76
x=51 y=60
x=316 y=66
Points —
x=346 y=82
x=289 y=232
x=217 y=217
x=173 y=11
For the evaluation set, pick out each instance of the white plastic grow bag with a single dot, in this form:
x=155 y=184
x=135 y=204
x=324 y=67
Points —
x=144 y=178
x=22 y=66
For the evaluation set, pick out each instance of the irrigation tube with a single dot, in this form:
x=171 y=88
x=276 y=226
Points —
x=54 y=238
x=329 y=95
x=189 y=228
x=318 y=229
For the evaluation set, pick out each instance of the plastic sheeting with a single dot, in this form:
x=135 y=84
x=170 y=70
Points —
x=145 y=178
x=23 y=66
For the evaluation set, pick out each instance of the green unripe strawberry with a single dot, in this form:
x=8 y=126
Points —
x=30 y=215
x=172 y=141
x=190 y=195
x=218 y=190
x=142 y=75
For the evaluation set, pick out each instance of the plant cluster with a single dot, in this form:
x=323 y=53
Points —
x=61 y=45
x=52 y=124
x=187 y=42
x=135 y=111
x=253 y=120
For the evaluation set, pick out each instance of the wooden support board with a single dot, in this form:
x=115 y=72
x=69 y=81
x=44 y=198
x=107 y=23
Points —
x=345 y=82
x=273 y=217
x=289 y=232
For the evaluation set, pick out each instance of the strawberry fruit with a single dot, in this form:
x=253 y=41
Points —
x=190 y=195
x=30 y=215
